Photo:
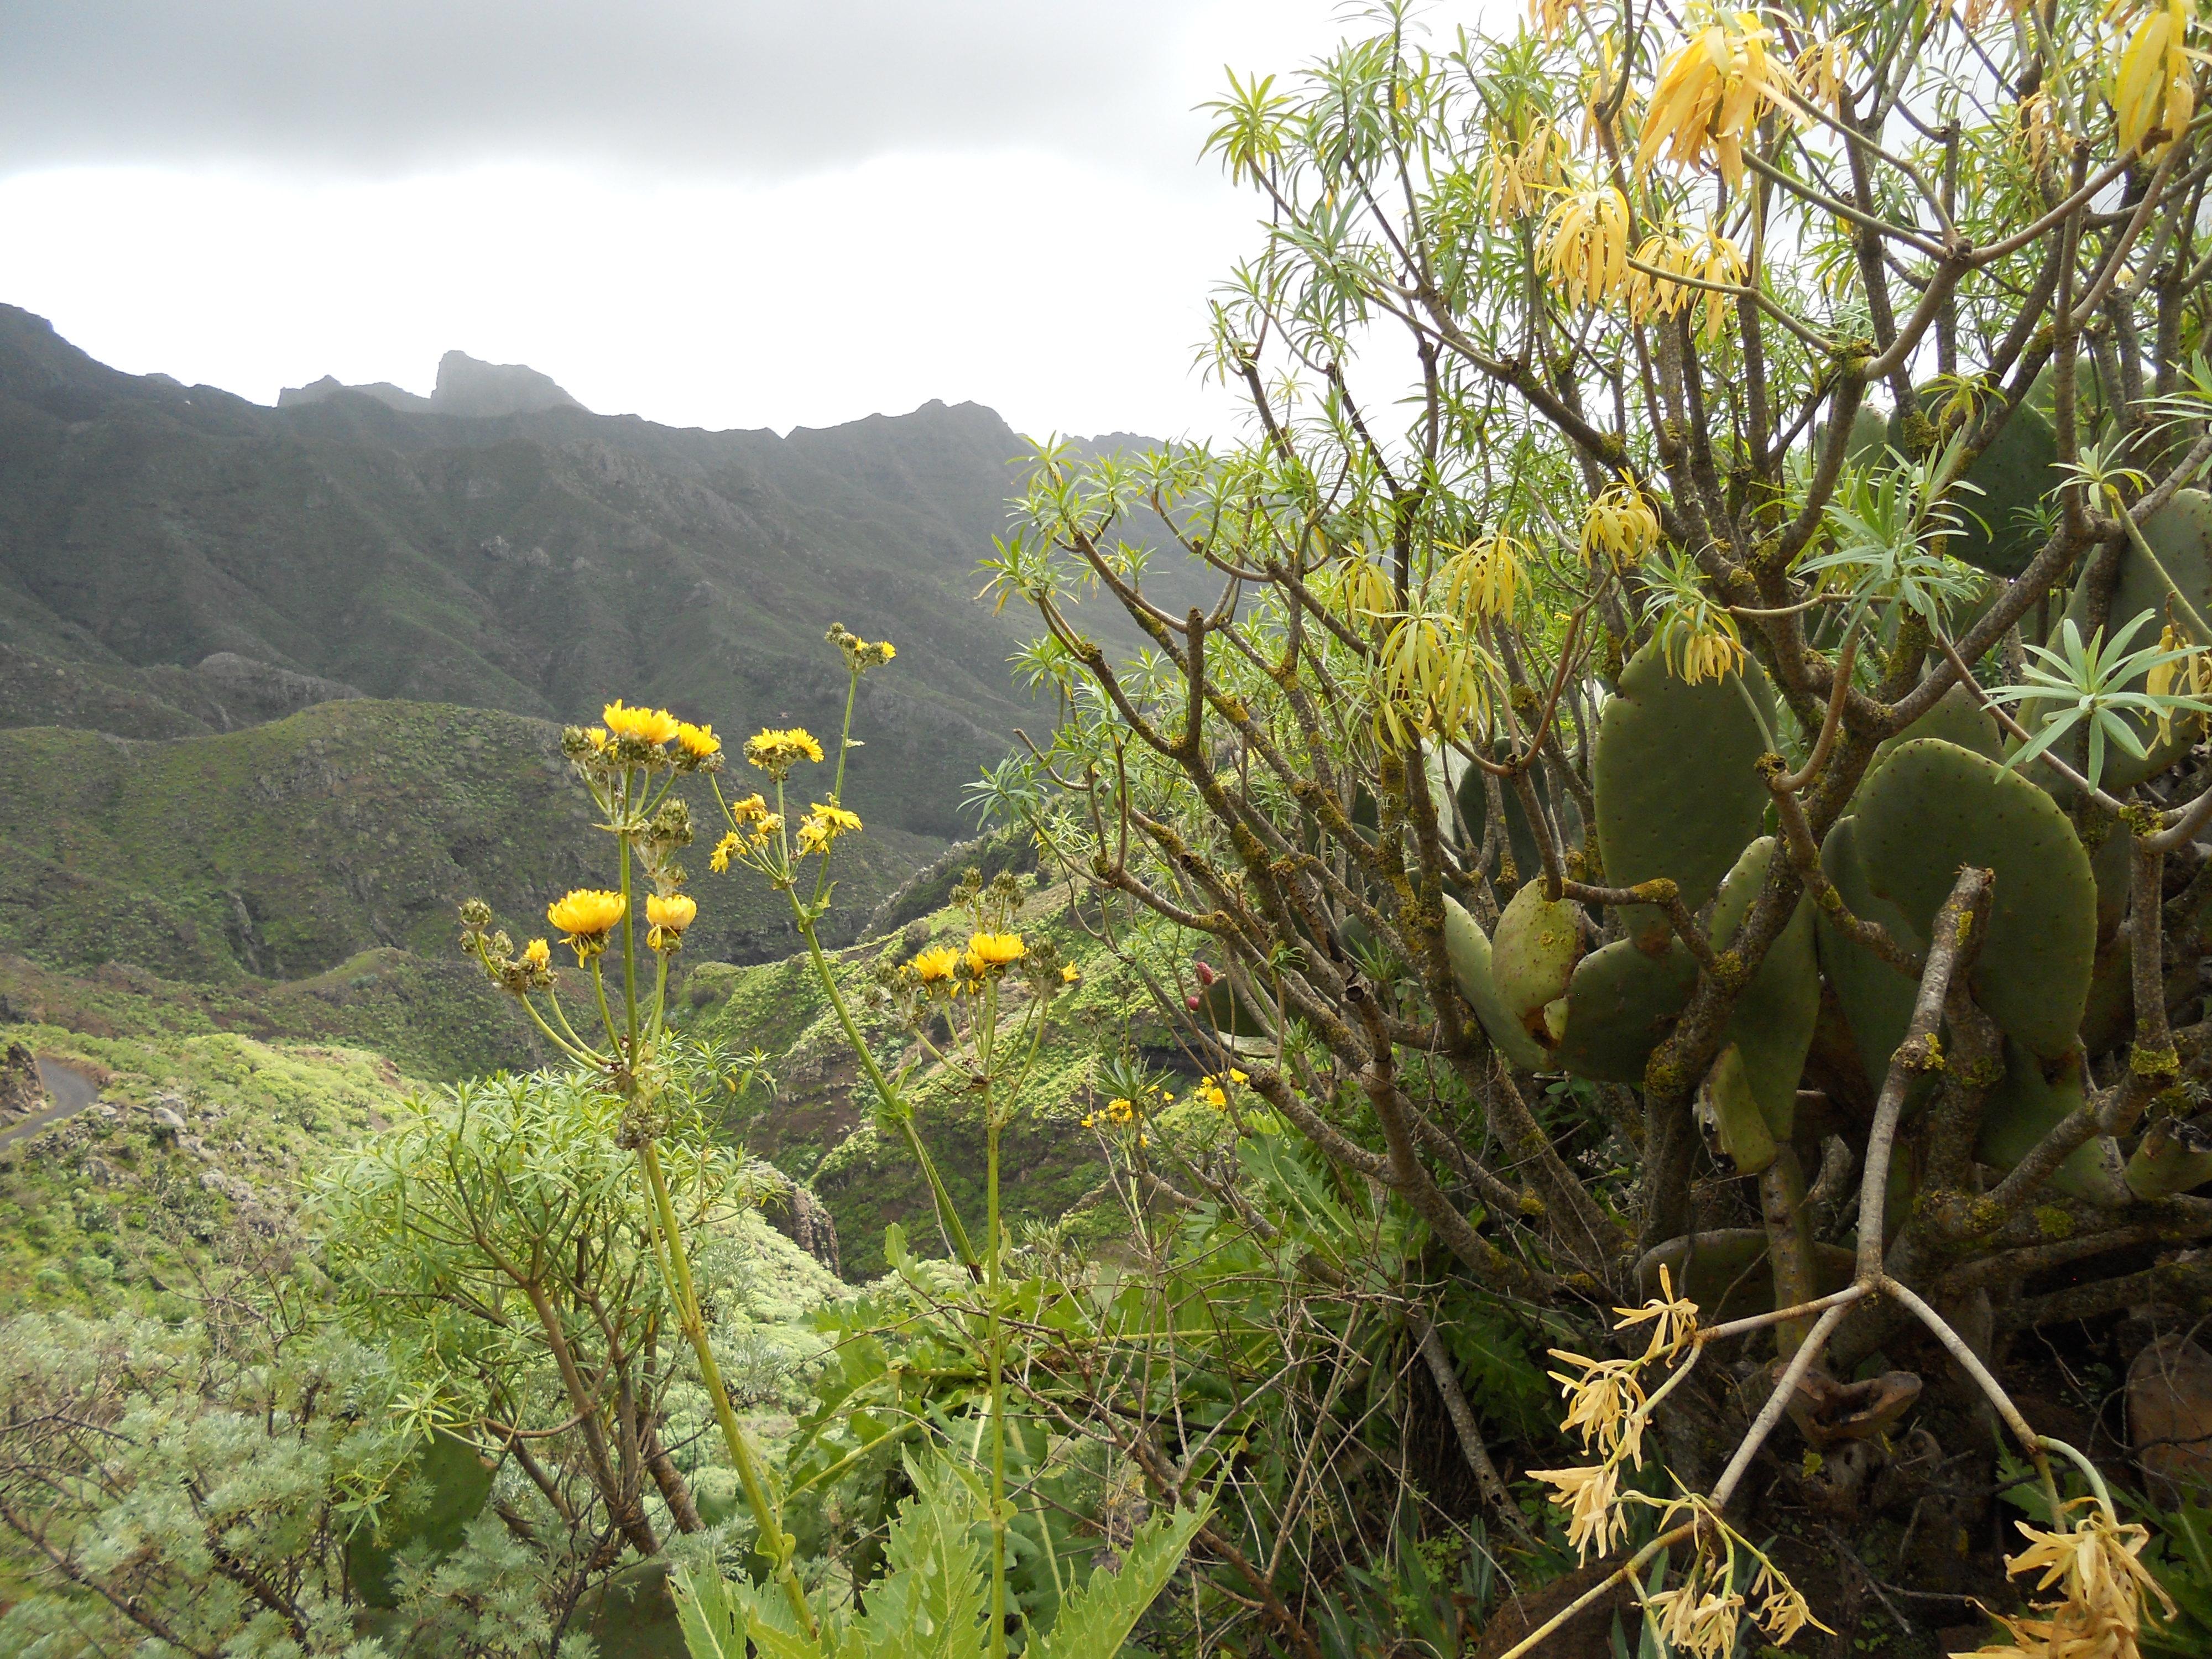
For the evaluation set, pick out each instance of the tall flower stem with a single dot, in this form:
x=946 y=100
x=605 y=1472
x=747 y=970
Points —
x=993 y=1252
x=772 y=1542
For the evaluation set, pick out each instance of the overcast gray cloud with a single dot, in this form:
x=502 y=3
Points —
x=753 y=89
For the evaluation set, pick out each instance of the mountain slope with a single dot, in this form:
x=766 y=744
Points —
x=537 y=562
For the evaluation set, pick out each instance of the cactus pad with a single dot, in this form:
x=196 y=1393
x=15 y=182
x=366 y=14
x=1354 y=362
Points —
x=1471 y=957
x=1772 y=1023
x=2009 y=480
x=1533 y=952
x=1678 y=791
x=1936 y=807
x=1620 y=1003
x=1875 y=999
x=2030 y=1101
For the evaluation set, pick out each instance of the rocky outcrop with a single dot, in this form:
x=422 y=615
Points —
x=391 y=397
x=467 y=385
x=793 y=1209
x=22 y=1094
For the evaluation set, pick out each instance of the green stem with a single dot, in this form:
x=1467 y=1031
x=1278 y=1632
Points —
x=606 y=1014
x=948 y=1217
x=837 y=787
x=772 y=1542
x=994 y=1250
x=630 y=943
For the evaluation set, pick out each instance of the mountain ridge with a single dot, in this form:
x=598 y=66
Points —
x=537 y=561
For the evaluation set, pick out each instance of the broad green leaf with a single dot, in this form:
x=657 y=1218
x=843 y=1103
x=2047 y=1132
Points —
x=1097 y=1619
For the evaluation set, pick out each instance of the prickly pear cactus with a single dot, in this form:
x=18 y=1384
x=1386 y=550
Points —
x=2007 y=483
x=1472 y=799
x=1469 y=950
x=2032 y=1099
x=1771 y=1027
x=1936 y=807
x=1875 y=999
x=1621 y=1002
x=1675 y=776
x=1533 y=953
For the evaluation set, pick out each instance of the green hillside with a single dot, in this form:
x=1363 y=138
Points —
x=177 y=561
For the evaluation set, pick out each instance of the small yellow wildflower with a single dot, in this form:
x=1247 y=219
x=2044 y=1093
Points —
x=776 y=751
x=653 y=725
x=820 y=829
x=1605 y=1404
x=1698 y=1616
x=1088 y=1119
x=1070 y=974
x=1236 y=1076
x=1120 y=1110
x=719 y=859
x=1673 y=1319
x=698 y=741
x=989 y=950
x=538 y=954
x=939 y=961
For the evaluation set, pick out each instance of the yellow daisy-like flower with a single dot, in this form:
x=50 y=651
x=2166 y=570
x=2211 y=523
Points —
x=1712 y=90
x=667 y=918
x=676 y=912
x=1583 y=246
x=939 y=961
x=538 y=954
x=1622 y=525
x=776 y=752
x=719 y=859
x=820 y=829
x=653 y=725
x=1119 y=1110
x=586 y=915
x=697 y=741
x=1236 y=1076
x=1214 y=1095
x=1070 y=974
x=988 y=951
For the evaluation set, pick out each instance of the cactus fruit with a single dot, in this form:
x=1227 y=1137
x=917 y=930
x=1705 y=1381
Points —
x=1533 y=952
x=1935 y=808
x=1876 y=1000
x=1675 y=772
x=1220 y=1005
x=2029 y=1102
x=2174 y=587
x=1470 y=953
x=1725 y=1273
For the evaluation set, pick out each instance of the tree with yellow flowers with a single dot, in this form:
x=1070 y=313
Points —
x=1692 y=782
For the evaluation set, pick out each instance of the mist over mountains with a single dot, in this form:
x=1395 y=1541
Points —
x=177 y=561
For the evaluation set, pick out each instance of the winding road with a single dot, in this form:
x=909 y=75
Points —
x=70 y=1091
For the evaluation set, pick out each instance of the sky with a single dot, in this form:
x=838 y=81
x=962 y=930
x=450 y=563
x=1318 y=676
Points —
x=719 y=213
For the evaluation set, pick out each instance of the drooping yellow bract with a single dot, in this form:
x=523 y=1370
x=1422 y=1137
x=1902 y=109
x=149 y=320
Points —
x=1484 y=578
x=586 y=915
x=2155 y=84
x=653 y=725
x=776 y=752
x=988 y=951
x=697 y=741
x=1551 y=16
x=1712 y=90
x=1621 y=525
x=939 y=962
x=1663 y=254
x=1583 y=246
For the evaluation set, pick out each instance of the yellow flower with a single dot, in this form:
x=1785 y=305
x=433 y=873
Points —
x=1712 y=90
x=776 y=752
x=1605 y=1404
x=698 y=741
x=884 y=650
x=988 y=951
x=1517 y=178
x=1594 y=1520
x=1070 y=974
x=820 y=829
x=675 y=913
x=1236 y=1076
x=1121 y=1111
x=1711 y=654
x=654 y=725
x=1666 y=252
x=1823 y=67
x=1718 y=261
x=1214 y=1095
x=1673 y=1319
x=1088 y=1120
x=1484 y=577
x=1551 y=16
x=936 y=962
x=1622 y=525
x=2155 y=84
x=719 y=859
x=1584 y=244
x=538 y=954
x=586 y=913
x=1698 y=1616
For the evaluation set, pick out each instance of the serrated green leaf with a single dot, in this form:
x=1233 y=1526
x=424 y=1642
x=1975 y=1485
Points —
x=1097 y=1619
